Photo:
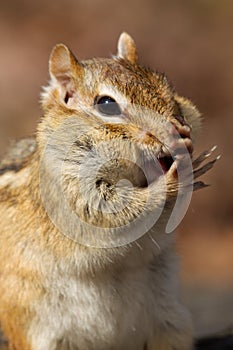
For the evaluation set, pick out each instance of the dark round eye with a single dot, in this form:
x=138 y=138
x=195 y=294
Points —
x=107 y=105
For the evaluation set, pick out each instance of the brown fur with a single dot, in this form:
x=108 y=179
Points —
x=32 y=249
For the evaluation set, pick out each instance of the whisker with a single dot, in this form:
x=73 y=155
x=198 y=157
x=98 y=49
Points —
x=138 y=245
x=154 y=241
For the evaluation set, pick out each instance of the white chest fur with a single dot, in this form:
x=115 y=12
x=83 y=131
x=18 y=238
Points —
x=117 y=311
x=94 y=315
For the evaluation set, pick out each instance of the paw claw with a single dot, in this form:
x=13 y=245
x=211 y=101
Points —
x=199 y=185
x=202 y=169
x=203 y=156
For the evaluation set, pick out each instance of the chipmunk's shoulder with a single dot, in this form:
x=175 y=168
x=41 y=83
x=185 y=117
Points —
x=17 y=154
x=14 y=169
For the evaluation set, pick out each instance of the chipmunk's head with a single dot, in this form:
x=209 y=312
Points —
x=117 y=135
x=106 y=87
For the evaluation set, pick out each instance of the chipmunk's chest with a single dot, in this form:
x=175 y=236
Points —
x=98 y=314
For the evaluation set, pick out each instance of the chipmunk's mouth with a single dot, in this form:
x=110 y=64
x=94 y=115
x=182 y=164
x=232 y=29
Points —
x=159 y=163
x=165 y=163
x=140 y=174
x=154 y=168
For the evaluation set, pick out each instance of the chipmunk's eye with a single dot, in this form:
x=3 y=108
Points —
x=107 y=105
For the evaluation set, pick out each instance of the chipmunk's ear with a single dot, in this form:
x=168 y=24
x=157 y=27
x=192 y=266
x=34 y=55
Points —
x=63 y=65
x=126 y=48
x=191 y=115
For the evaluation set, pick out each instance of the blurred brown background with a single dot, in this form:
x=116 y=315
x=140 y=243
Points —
x=189 y=40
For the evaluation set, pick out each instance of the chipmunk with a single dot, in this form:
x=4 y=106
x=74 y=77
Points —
x=86 y=262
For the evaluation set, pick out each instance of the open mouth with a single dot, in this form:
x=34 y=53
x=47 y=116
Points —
x=165 y=163
x=154 y=168
x=152 y=164
x=141 y=176
x=176 y=149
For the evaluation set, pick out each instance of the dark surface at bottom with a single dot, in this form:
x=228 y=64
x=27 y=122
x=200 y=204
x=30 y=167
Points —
x=212 y=343
x=215 y=343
